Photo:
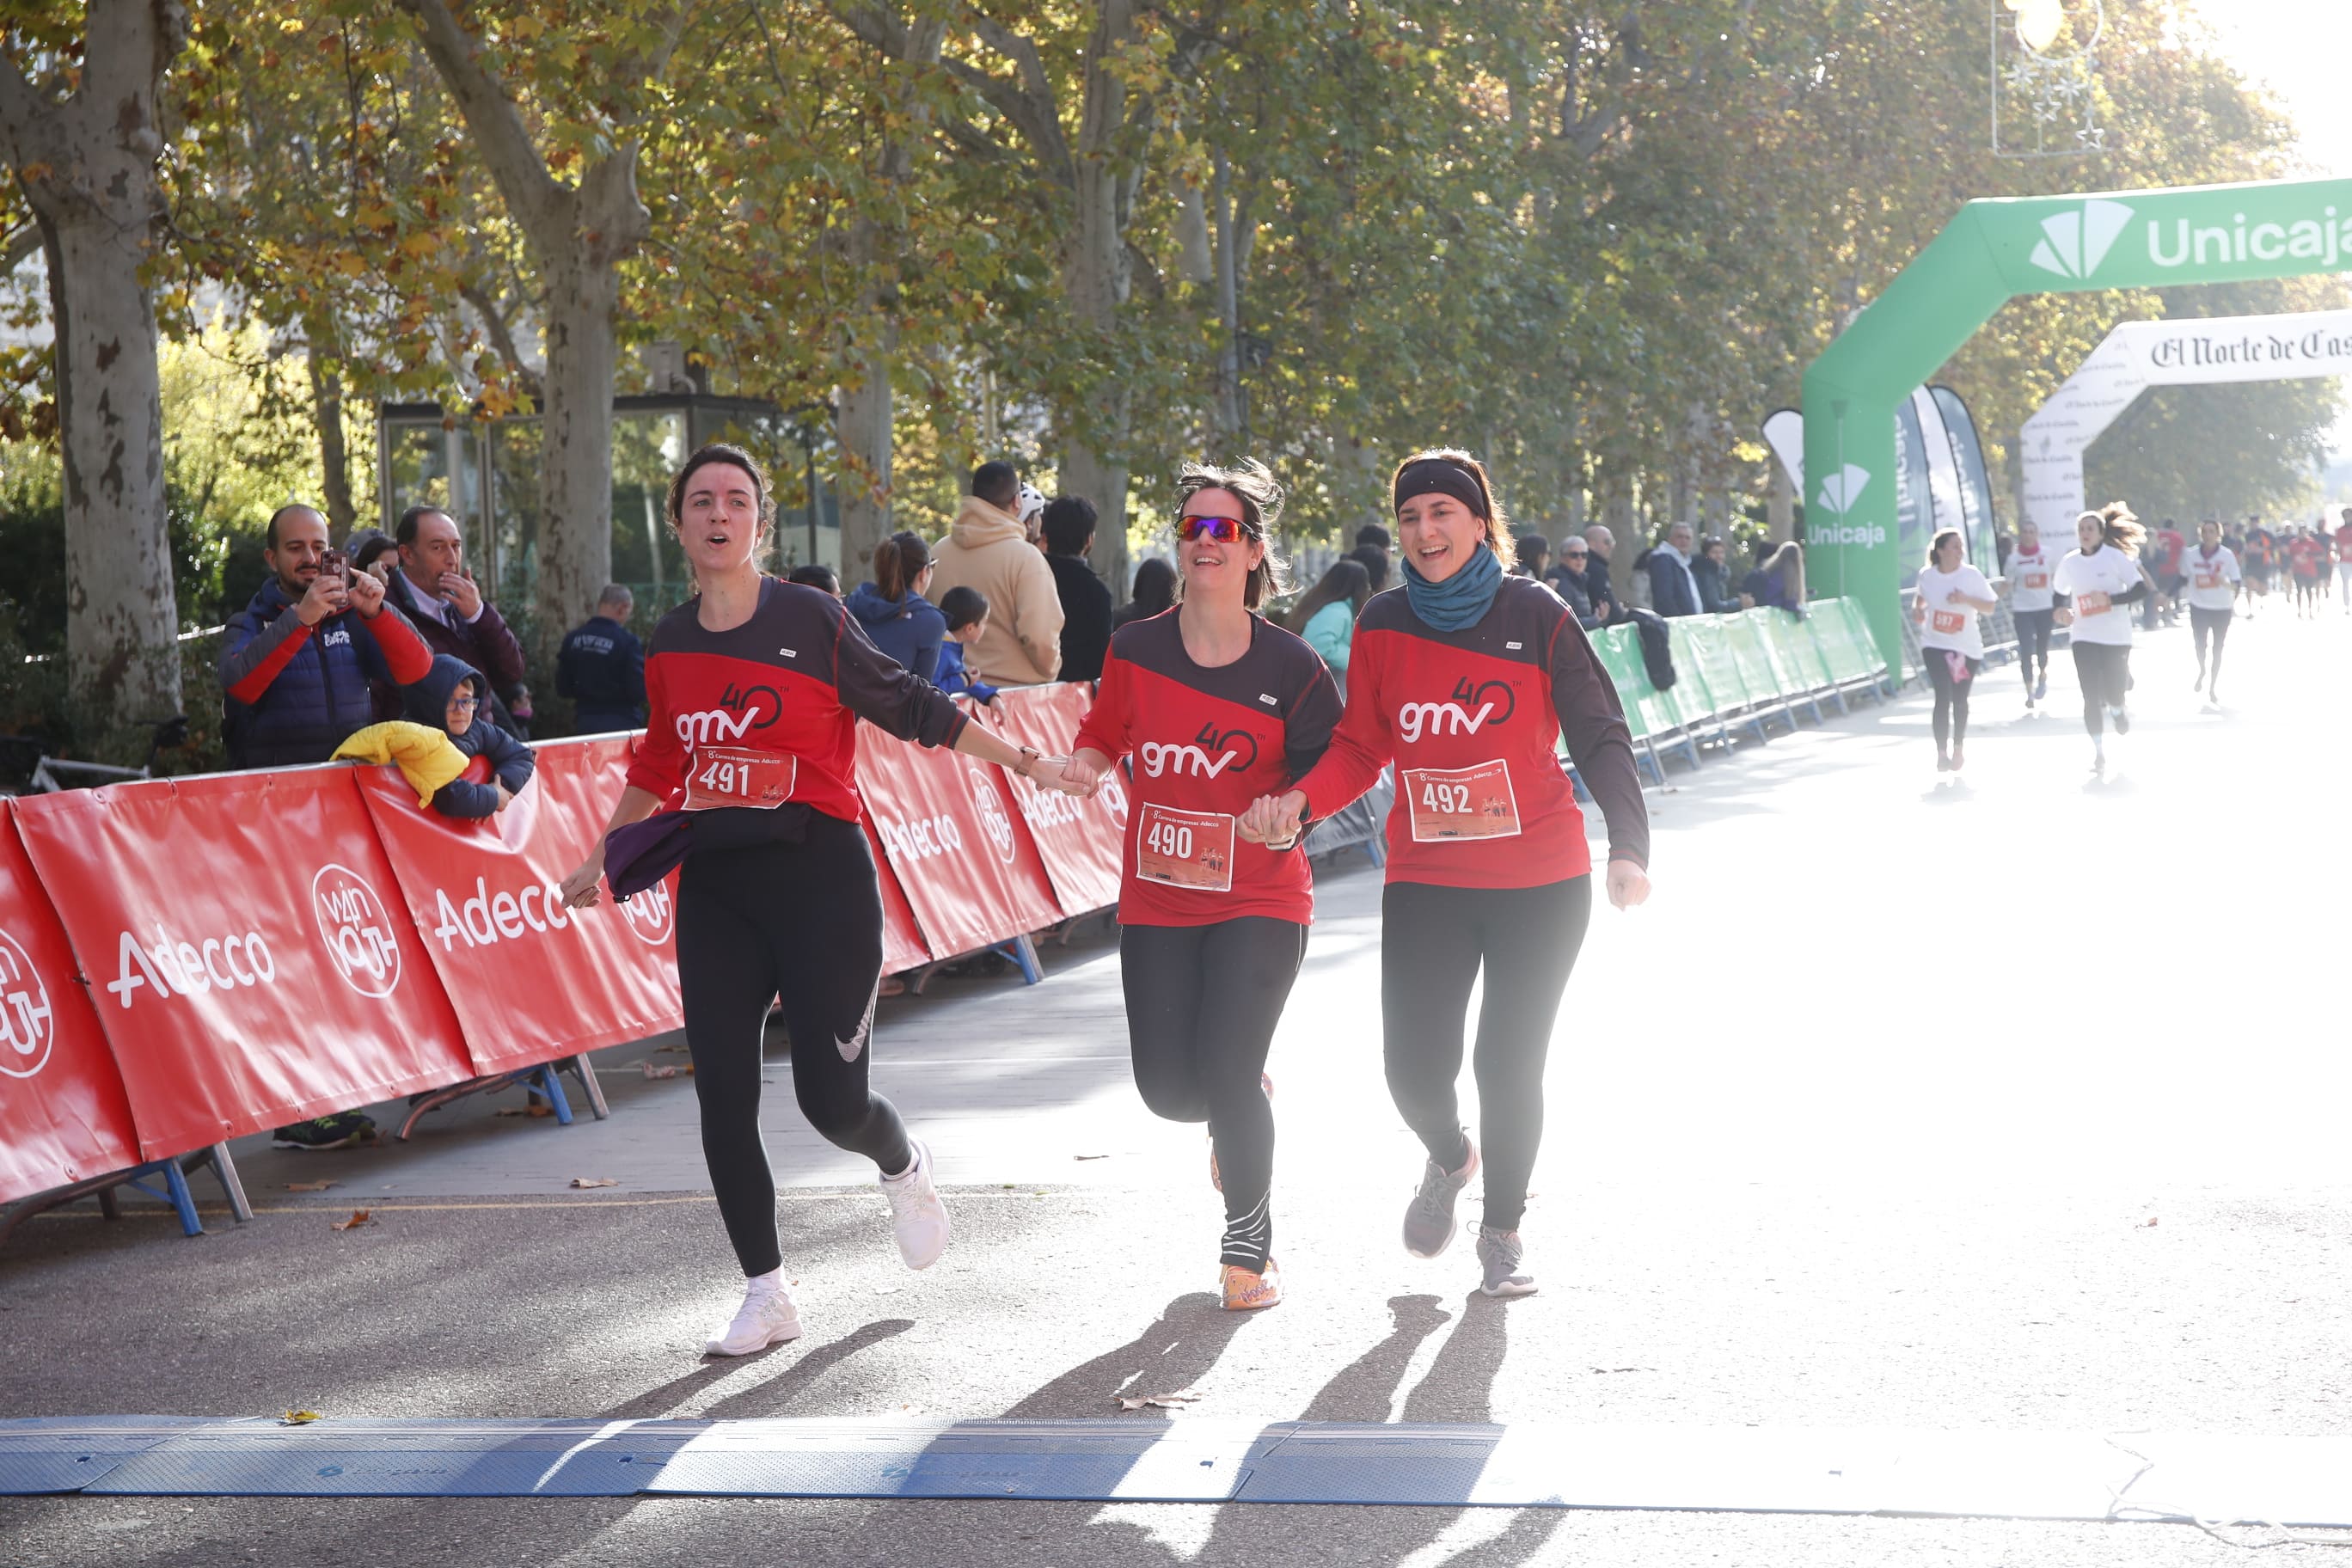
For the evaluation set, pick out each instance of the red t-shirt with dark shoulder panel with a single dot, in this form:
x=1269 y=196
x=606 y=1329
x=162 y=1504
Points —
x=1205 y=744
x=767 y=713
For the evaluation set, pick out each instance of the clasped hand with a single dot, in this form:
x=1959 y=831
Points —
x=1273 y=819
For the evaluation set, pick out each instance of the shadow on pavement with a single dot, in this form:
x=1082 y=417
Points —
x=1175 y=1353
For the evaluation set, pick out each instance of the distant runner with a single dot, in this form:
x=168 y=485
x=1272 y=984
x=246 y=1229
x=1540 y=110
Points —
x=1952 y=595
x=2029 y=601
x=2213 y=578
x=2094 y=580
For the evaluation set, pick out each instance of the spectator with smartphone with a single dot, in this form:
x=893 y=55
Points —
x=434 y=591
x=296 y=669
x=296 y=660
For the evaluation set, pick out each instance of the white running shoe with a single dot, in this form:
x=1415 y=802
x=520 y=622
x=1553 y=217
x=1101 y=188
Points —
x=766 y=1318
x=917 y=1215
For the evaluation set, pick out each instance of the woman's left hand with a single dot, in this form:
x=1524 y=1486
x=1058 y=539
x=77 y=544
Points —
x=1628 y=884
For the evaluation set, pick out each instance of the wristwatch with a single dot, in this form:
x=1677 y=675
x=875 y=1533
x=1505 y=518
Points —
x=1030 y=756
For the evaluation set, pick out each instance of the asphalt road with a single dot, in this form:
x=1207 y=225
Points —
x=1864 y=1121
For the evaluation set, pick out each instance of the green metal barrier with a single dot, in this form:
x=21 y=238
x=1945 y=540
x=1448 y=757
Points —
x=1768 y=687
x=1795 y=652
x=1703 y=654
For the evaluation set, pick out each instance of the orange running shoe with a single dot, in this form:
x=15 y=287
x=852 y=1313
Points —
x=1247 y=1292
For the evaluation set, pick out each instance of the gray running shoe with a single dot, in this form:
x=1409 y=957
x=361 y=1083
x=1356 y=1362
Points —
x=1498 y=1259
x=1429 y=1224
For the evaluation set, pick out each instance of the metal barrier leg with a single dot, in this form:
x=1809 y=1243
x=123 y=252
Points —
x=1023 y=952
x=581 y=1067
x=543 y=1078
x=224 y=1166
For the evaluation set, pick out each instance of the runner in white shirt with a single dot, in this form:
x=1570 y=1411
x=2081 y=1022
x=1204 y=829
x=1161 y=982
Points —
x=2094 y=583
x=1952 y=593
x=2030 y=567
x=2212 y=593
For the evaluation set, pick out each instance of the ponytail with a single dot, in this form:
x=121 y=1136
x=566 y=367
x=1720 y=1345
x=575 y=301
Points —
x=898 y=562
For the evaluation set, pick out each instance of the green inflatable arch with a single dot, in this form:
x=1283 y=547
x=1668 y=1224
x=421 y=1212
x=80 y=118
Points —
x=1993 y=251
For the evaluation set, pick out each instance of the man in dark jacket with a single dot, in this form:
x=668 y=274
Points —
x=602 y=668
x=1085 y=602
x=1599 y=541
x=432 y=587
x=1674 y=591
x=296 y=660
x=449 y=699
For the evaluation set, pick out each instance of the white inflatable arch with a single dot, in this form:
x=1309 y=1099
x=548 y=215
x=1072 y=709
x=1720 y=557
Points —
x=2140 y=354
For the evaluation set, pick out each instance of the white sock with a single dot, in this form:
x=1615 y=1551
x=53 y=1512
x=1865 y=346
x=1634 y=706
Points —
x=770 y=1283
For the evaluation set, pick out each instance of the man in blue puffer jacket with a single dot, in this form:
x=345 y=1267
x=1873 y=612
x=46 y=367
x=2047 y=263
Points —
x=296 y=664
x=449 y=699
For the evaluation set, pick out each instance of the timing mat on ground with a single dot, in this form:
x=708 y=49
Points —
x=2069 y=1476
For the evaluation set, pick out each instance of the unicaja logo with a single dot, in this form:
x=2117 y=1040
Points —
x=27 y=1023
x=2072 y=244
x=1843 y=489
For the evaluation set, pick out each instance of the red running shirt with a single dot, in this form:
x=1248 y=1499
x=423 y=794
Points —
x=767 y=713
x=1473 y=720
x=1204 y=744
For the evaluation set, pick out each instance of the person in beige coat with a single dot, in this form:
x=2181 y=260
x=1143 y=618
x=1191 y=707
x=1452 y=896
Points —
x=987 y=549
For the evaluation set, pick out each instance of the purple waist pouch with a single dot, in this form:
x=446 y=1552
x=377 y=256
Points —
x=642 y=853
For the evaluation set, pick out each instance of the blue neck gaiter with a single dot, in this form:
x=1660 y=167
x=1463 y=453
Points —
x=1461 y=599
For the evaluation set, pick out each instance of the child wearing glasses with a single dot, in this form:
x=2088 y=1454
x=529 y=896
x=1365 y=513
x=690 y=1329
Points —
x=449 y=699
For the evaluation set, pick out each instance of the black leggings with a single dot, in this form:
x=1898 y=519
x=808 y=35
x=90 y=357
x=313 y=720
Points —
x=1952 y=696
x=1202 y=1005
x=803 y=921
x=1433 y=942
x=2104 y=671
x=2033 y=643
x=2213 y=625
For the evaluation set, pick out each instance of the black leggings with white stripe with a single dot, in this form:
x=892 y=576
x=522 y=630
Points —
x=1202 y=1005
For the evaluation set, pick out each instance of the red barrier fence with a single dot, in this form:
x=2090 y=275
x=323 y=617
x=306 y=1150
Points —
x=481 y=895
x=184 y=961
x=63 y=1114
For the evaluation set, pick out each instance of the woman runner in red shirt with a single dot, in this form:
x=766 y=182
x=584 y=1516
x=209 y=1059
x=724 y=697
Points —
x=1466 y=678
x=755 y=687
x=1217 y=705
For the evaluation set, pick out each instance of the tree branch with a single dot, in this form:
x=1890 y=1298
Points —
x=541 y=205
x=502 y=338
x=19 y=244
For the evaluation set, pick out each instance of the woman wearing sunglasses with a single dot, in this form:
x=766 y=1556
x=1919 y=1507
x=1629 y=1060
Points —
x=1467 y=680
x=1216 y=706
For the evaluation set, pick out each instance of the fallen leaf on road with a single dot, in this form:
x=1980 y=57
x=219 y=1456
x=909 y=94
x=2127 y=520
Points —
x=359 y=1218
x=595 y=1182
x=539 y=1110
x=659 y=1069
x=1089 y=1156
x=1158 y=1401
x=510 y=1111
x=669 y=1048
x=1605 y=1369
x=307 y=1186
x=298 y=1418
x=2151 y=1219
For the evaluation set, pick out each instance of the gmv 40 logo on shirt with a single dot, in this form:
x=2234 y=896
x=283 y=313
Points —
x=740 y=712
x=1469 y=709
x=1204 y=756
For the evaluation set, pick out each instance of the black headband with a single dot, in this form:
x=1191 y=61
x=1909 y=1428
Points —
x=1435 y=476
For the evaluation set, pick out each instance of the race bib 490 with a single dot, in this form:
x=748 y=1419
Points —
x=1185 y=849
x=738 y=775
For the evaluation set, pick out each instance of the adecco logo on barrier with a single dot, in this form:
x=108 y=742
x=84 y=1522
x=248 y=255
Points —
x=991 y=806
x=360 y=938
x=648 y=914
x=27 y=1027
